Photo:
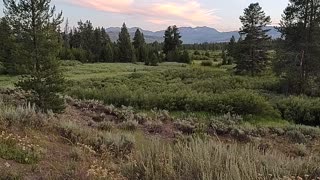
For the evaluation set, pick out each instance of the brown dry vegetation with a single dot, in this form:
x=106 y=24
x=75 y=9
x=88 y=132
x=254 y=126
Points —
x=93 y=141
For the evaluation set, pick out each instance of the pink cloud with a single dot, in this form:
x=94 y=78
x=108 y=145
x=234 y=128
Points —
x=114 y=6
x=165 y=12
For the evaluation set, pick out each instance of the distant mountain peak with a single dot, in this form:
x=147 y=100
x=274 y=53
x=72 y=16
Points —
x=190 y=35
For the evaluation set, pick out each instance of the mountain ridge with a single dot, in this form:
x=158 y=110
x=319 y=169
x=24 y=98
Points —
x=190 y=35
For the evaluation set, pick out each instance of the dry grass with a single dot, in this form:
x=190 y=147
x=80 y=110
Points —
x=21 y=115
x=202 y=159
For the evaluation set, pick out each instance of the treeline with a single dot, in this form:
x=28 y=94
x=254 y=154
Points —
x=205 y=46
x=88 y=44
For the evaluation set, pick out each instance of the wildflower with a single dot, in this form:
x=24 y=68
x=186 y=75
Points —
x=7 y=164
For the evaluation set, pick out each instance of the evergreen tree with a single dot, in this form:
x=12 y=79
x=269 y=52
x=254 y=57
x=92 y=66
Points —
x=154 y=59
x=140 y=46
x=172 y=43
x=298 y=58
x=107 y=53
x=224 y=58
x=126 y=50
x=168 y=41
x=97 y=46
x=185 y=58
x=176 y=38
x=231 y=48
x=35 y=26
x=105 y=37
x=7 y=47
x=253 y=58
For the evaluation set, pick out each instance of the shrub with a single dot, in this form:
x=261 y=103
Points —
x=106 y=126
x=200 y=57
x=130 y=125
x=243 y=102
x=300 y=110
x=296 y=136
x=185 y=127
x=300 y=150
x=185 y=57
x=118 y=144
x=173 y=56
x=206 y=63
x=197 y=53
x=22 y=115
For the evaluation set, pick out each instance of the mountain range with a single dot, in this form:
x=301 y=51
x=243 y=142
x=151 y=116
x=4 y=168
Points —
x=189 y=35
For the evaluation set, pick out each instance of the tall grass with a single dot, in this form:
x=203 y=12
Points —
x=207 y=160
x=22 y=115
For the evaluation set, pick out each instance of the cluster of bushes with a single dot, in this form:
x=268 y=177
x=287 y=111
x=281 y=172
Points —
x=237 y=102
x=206 y=63
x=199 y=89
x=193 y=89
x=177 y=56
x=300 y=109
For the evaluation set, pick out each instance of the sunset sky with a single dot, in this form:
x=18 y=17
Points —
x=158 y=14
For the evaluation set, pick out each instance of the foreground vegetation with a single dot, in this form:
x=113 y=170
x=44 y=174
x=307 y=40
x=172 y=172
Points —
x=94 y=141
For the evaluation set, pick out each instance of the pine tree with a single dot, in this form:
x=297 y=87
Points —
x=7 y=48
x=224 y=57
x=154 y=59
x=97 y=45
x=253 y=57
x=231 y=48
x=298 y=57
x=176 y=38
x=140 y=46
x=126 y=50
x=168 y=41
x=35 y=26
x=172 y=43
x=107 y=53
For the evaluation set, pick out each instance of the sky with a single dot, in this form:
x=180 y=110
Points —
x=159 y=14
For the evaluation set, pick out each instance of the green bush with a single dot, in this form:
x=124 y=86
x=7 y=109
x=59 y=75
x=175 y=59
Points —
x=200 y=57
x=173 y=56
x=197 y=53
x=300 y=110
x=206 y=63
x=187 y=89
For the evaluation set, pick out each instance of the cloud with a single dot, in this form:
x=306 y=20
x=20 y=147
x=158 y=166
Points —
x=160 y=12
